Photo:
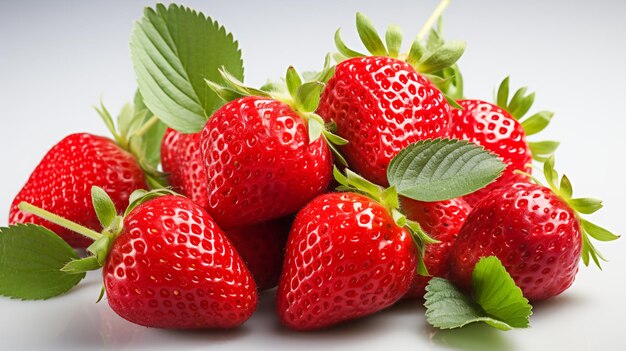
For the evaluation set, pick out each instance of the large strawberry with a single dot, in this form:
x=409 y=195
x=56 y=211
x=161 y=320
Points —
x=498 y=129
x=442 y=220
x=262 y=248
x=381 y=103
x=345 y=258
x=62 y=181
x=537 y=232
x=265 y=158
x=166 y=263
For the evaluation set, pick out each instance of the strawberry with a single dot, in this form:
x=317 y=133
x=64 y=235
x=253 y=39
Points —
x=442 y=220
x=537 y=232
x=62 y=182
x=170 y=160
x=165 y=262
x=381 y=104
x=498 y=129
x=345 y=259
x=265 y=158
x=173 y=267
x=262 y=247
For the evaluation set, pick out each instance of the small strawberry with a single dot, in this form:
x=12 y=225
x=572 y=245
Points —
x=442 y=221
x=345 y=258
x=537 y=232
x=62 y=183
x=498 y=129
x=169 y=159
x=62 y=180
x=265 y=158
x=381 y=103
x=262 y=248
x=166 y=263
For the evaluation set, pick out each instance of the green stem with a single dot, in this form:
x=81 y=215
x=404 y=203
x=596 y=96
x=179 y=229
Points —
x=432 y=19
x=65 y=223
x=144 y=128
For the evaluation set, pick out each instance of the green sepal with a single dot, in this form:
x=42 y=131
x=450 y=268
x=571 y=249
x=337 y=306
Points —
x=30 y=262
x=101 y=294
x=542 y=150
x=369 y=36
x=393 y=39
x=139 y=197
x=586 y=205
x=597 y=232
x=444 y=56
x=308 y=95
x=344 y=51
x=82 y=265
x=293 y=80
x=315 y=129
x=103 y=205
x=416 y=53
x=100 y=248
x=537 y=122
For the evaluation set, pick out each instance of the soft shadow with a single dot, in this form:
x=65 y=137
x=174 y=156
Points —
x=473 y=337
x=560 y=302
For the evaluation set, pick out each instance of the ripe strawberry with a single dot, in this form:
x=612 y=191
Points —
x=497 y=128
x=169 y=159
x=382 y=104
x=262 y=248
x=62 y=181
x=173 y=267
x=536 y=232
x=442 y=220
x=345 y=258
x=265 y=158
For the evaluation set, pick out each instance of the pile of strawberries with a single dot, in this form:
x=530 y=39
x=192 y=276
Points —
x=292 y=185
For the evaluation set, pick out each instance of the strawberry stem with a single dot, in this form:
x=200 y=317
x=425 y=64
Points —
x=432 y=19
x=146 y=126
x=65 y=223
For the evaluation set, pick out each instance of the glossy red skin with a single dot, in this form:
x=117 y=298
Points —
x=531 y=230
x=173 y=267
x=170 y=160
x=345 y=259
x=496 y=130
x=61 y=183
x=381 y=105
x=259 y=162
x=262 y=248
x=442 y=220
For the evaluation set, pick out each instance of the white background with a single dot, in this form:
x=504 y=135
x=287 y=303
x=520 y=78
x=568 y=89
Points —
x=57 y=59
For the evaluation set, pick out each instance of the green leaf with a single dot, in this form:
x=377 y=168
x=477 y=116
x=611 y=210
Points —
x=597 y=232
x=369 y=36
x=104 y=206
x=586 y=205
x=498 y=301
x=441 y=169
x=537 y=122
x=495 y=291
x=173 y=50
x=293 y=80
x=31 y=257
x=393 y=38
x=448 y=308
x=445 y=56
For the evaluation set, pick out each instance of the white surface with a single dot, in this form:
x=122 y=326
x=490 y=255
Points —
x=58 y=58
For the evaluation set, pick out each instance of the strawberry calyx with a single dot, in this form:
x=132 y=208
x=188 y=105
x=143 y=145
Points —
x=112 y=225
x=581 y=206
x=434 y=58
x=518 y=106
x=388 y=198
x=137 y=132
x=303 y=96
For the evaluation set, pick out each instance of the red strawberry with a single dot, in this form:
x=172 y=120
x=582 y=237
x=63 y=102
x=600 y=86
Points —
x=345 y=258
x=173 y=267
x=537 y=232
x=497 y=128
x=383 y=104
x=62 y=181
x=262 y=247
x=260 y=162
x=442 y=220
x=170 y=160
